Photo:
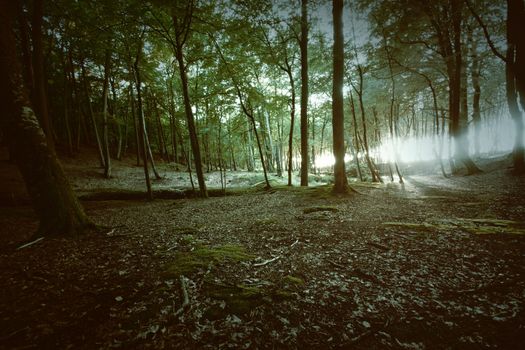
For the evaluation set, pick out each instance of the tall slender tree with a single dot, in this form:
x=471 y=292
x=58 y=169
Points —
x=182 y=26
x=340 y=180
x=304 y=92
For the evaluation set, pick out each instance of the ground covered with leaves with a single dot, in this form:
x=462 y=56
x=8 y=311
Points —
x=434 y=263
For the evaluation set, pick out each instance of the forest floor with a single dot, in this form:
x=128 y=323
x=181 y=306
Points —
x=434 y=263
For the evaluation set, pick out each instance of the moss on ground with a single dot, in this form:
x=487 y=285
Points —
x=293 y=281
x=187 y=263
x=241 y=299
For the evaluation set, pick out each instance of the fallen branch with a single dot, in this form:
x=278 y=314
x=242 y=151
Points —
x=378 y=245
x=266 y=262
x=336 y=264
x=30 y=243
x=185 y=298
x=294 y=243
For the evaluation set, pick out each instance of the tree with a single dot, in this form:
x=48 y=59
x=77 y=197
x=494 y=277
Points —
x=515 y=74
x=56 y=205
x=514 y=71
x=340 y=180
x=182 y=24
x=446 y=19
x=40 y=95
x=304 y=92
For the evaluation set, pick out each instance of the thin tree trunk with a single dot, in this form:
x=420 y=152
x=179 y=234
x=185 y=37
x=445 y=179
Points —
x=373 y=171
x=304 y=92
x=105 y=91
x=292 y=120
x=357 y=146
x=92 y=115
x=141 y=122
x=150 y=153
x=180 y=38
x=340 y=180
x=135 y=115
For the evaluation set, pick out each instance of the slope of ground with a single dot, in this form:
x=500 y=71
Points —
x=434 y=263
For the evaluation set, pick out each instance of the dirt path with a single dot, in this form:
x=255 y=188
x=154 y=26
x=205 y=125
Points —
x=393 y=267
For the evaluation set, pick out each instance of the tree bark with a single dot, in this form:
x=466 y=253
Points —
x=304 y=92
x=56 y=205
x=40 y=95
x=105 y=133
x=292 y=120
x=515 y=74
x=92 y=115
x=340 y=180
x=180 y=38
x=140 y=115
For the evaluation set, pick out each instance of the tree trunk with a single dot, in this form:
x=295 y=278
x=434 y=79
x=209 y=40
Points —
x=40 y=94
x=475 y=73
x=304 y=92
x=250 y=159
x=187 y=107
x=357 y=146
x=173 y=122
x=373 y=171
x=55 y=204
x=105 y=134
x=515 y=74
x=134 y=115
x=140 y=113
x=292 y=120
x=92 y=115
x=340 y=180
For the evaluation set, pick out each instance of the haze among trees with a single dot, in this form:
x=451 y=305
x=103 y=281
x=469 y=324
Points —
x=166 y=100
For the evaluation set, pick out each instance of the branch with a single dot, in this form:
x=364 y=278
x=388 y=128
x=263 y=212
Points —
x=485 y=32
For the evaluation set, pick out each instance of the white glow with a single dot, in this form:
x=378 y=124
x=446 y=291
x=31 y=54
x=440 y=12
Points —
x=496 y=136
x=327 y=159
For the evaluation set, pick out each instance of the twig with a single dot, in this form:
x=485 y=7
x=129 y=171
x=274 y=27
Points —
x=12 y=334
x=378 y=245
x=110 y=233
x=294 y=243
x=266 y=262
x=30 y=243
x=172 y=247
x=185 y=298
x=336 y=264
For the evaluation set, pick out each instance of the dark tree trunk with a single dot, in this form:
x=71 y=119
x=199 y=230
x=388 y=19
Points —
x=447 y=25
x=181 y=35
x=475 y=73
x=134 y=115
x=515 y=72
x=340 y=180
x=357 y=146
x=370 y=164
x=304 y=92
x=40 y=95
x=292 y=120
x=92 y=115
x=56 y=205
x=140 y=115
x=105 y=132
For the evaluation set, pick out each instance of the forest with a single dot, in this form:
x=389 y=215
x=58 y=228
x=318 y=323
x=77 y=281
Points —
x=256 y=174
